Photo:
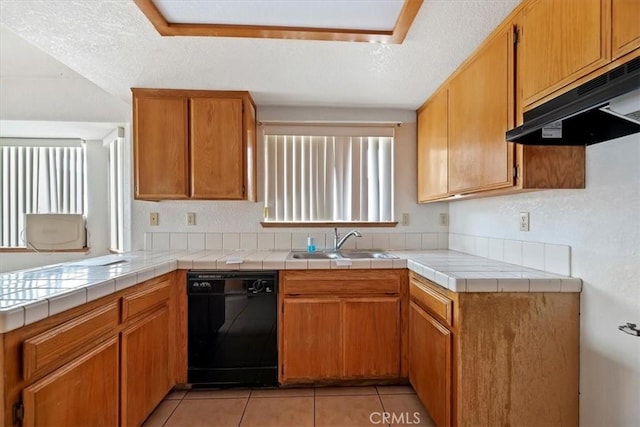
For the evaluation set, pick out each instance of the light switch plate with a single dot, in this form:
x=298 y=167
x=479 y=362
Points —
x=154 y=218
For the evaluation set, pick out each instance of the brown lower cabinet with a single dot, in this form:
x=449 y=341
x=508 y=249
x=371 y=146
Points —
x=106 y=363
x=490 y=359
x=146 y=370
x=430 y=363
x=342 y=325
x=83 y=392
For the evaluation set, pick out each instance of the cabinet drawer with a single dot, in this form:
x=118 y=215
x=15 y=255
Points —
x=148 y=298
x=58 y=345
x=337 y=283
x=432 y=301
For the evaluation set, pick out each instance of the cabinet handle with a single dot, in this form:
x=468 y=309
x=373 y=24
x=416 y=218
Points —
x=630 y=328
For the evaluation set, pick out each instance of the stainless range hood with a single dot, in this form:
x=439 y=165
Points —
x=601 y=109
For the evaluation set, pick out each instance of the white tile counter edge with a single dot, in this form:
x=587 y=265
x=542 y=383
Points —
x=456 y=271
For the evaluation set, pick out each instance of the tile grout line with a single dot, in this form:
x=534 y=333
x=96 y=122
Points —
x=314 y=407
x=245 y=408
x=381 y=404
x=174 y=409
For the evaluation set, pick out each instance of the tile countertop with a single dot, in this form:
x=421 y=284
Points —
x=27 y=296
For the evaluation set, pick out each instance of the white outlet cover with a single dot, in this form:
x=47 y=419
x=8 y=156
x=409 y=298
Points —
x=524 y=221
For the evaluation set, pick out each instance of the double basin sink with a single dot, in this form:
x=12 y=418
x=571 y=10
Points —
x=342 y=254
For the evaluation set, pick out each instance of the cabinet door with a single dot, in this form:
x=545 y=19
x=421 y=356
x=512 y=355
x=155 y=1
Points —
x=83 y=392
x=480 y=112
x=430 y=364
x=560 y=42
x=161 y=147
x=217 y=153
x=625 y=26
x=146 y=369
x=432 y=148
x=311 y=339
x=371 y=337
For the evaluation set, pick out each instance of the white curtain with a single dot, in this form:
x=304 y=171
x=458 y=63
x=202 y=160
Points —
x=39 y=179
x=328 y=178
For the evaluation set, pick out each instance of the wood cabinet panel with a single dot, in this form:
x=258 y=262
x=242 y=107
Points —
x=430 y=364
x=480 y=112
x=161 y=150
x=343 y=325
x=625 y=27
x=340 y=282
x=560 y=41
x=493 y=337
x=82 y=393
x=146 y=371
x=146 y=299
x=251 y=159
x=58 y=345
x=311 y=339
x=437 y=304
x=433 y=148
x=371 y=337
x=217 y=153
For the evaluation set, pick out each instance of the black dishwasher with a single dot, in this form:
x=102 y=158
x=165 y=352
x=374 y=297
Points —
x=232 y=328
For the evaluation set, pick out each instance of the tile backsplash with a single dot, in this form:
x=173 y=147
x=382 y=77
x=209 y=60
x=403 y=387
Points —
x=291 y=240
x=540 y=256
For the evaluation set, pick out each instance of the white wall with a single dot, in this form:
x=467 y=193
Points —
x=229 y=216
x=97 y=217
x=602 y=225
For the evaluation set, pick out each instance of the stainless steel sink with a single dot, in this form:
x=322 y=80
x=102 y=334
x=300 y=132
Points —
x=364 y=254
x=350 y=254
x=313 y=255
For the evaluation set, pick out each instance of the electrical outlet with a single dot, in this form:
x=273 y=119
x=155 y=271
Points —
x=154 y=218
x=191 y=218
x=524 y=221
x=444 y=219
x=405 y=219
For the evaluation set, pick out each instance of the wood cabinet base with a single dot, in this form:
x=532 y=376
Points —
x=106 y=363
x=343 y=327
x=502 y=359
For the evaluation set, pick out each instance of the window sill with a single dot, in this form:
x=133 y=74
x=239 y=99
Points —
x=280 y=224
x=47 y=251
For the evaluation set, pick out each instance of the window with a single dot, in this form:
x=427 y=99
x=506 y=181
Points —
x=39 y=176
x=115 y=144
x=319 y=174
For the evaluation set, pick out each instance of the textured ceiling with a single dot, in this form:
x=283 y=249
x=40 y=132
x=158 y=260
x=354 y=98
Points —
x=113 y=45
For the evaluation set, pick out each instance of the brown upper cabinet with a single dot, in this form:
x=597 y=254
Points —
x=193 y=144
x=542 y=49
x=433 y=147
x=480 y=112
x=625 y=27
x=560 y=41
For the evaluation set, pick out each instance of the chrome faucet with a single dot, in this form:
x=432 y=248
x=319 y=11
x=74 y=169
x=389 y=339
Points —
x=338 y=242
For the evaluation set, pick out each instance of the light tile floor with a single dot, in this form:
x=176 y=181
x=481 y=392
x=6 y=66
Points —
x=295 y=407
